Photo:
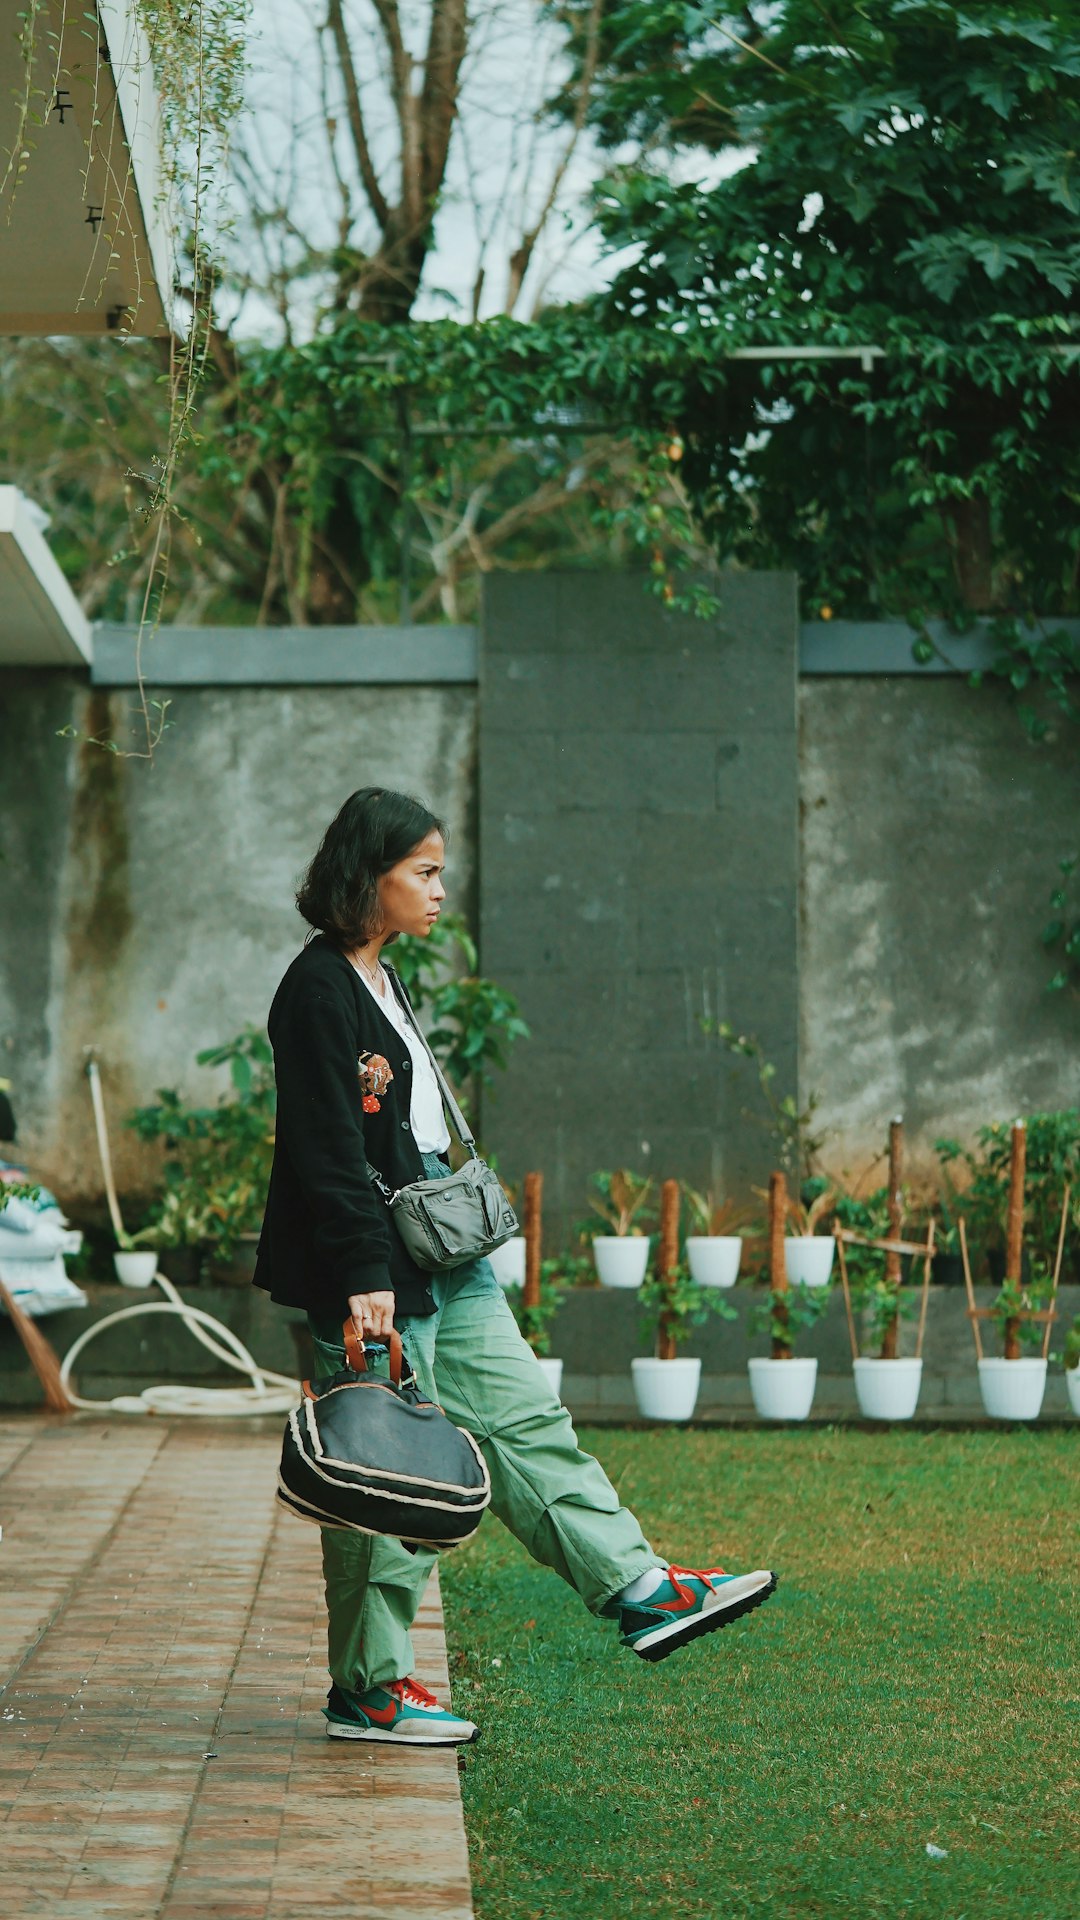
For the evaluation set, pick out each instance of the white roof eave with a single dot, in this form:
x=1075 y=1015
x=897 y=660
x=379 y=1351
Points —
x=41 y=622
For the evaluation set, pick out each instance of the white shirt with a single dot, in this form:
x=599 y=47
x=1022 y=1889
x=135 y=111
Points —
x=426 y=1116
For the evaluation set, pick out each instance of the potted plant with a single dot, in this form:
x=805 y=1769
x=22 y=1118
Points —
x=808 y=1254
x=949 y=1199
x=887 y=1383
x=217 y=1166
x=508 y=1261
x=1072 y=1364
x=534 y=1317
x=714 y=1248
x=136 y=1256
x=1012 y=1383
x=782 y=1385
x=1051 y=1159
x=666 y=1383
x=622 y=1201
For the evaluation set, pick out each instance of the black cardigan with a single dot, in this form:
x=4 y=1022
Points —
x=327 y=1231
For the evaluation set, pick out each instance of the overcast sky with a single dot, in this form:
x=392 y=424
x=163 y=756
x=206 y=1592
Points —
x=501 y=165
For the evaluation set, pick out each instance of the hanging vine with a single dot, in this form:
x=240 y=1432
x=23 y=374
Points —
x=192 y=55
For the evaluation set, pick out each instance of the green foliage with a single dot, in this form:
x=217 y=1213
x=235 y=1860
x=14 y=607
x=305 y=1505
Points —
x=17 y=1190
x=1061 y=935
x=675 y=1304
x=1052 y=1158
x=217 y=1165
x=556 y=1275
x=910 y=184
x=1013 y=1300
x=624 y=1201
x=797 y=1146
x=868 y=1215
x=559 y=431
x=784 y=1312
x=1072 y=1345
x=881 y=1303
x=1038 y=668
x=473 y=1021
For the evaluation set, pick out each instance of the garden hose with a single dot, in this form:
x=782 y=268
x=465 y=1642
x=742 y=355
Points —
x=267 y=1392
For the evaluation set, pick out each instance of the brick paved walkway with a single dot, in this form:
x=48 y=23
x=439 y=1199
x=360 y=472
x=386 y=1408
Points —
x=162 y=1645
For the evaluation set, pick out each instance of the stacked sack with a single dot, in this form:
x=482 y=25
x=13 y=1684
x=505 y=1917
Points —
x=34 y=1237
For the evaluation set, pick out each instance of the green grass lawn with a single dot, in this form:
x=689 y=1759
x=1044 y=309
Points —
x=913 y=1680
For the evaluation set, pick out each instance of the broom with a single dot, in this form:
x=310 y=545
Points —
x=40 y=1355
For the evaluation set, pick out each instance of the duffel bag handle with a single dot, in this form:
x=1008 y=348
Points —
x=355 y=1354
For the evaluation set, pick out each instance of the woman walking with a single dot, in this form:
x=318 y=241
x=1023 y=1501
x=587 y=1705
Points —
x=355 y=1089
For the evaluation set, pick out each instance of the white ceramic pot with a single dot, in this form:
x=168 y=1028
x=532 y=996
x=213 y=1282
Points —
x=135 y=1269
x=1012 y=1389
x=621 y=1258
x=1072 y=1387
x=665 y=1389
x=714 y=1258
x=553 y=1370
x=808 y=1259
x=887 y=1389
x=509 y=1261
x=783 y=1389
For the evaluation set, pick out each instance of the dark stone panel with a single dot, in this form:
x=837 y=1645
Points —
x=638 y=822
x=36 y=778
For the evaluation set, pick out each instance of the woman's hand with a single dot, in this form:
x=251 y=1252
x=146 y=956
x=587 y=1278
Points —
x=372 y=1314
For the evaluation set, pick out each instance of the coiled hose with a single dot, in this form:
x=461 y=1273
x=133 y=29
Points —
x=266 y=1392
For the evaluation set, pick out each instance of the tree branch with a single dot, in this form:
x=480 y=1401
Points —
x=442 y=67
x=521 y=258
x=335 y=21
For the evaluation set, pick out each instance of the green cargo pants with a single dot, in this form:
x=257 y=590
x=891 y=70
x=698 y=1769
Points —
x=558 y=1501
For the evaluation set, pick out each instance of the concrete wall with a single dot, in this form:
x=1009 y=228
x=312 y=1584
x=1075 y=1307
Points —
x=638 y=871
x=931 y=832
x=147 y=908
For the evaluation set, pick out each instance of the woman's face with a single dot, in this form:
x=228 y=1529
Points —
x=410 y=894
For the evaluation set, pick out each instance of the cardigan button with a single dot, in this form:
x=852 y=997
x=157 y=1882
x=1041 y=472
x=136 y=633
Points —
x=405 y=1126
x=405 y=1065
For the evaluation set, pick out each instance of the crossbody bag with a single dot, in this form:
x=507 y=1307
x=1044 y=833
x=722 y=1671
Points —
x=446 y=1222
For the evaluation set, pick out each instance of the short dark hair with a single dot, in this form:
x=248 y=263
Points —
x=339 y=894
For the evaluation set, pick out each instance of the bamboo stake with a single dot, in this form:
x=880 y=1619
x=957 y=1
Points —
x=40 y=1355
x=891 y=1336
x=534 y=1191
x=847 y=1296
x=925 y=1289
x=915 y=1247
x=1014 y=1230
x=973 y=1311
x=531 y=1229
x=668 y=1260
x=1057 y=1270
x=778 y=1280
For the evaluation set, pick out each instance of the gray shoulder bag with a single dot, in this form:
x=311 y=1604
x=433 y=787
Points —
x=446 y=1222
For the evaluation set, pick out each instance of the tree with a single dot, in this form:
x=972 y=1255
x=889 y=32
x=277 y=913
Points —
x=344 y=180
x=905 y=178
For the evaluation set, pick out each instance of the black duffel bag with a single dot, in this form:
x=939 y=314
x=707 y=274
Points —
x=374 y=1456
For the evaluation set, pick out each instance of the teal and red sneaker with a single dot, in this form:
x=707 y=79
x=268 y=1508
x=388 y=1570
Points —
x=690 y=1601
x=403 y=1712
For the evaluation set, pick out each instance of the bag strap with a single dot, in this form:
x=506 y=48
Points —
x=355 y=1356
x=461 y=1125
